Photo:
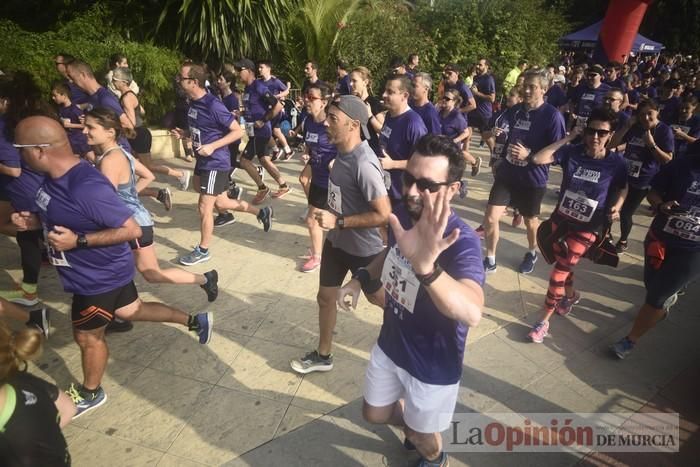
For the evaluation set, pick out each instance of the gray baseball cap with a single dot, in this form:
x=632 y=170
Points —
x=355 y=108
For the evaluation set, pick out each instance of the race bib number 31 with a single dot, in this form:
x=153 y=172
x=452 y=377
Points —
x=399 y=281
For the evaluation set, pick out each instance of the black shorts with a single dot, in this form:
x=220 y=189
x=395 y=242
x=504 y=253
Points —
x=4 y=195
x=257 y=147
x=527 y=200
x=476 y=120
x=146 y=238
x=335 y=264
x=678 y=268
x=212 y=182
x=318 y=196
x=95 y=311
x=277 y=120
x=141 y=144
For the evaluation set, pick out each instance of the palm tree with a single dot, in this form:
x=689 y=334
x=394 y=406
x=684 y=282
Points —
x=219 y=30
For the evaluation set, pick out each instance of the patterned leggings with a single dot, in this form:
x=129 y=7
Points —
x=562 y=275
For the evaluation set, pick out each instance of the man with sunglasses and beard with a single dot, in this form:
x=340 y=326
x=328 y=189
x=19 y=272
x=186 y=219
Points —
x=588 y=95
x=432 y=277
x=593 y=189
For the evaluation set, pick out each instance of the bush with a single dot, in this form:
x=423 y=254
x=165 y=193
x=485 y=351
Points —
x=90 y=37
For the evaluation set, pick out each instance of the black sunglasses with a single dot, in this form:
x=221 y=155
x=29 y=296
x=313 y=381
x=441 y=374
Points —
x=422 y=183
x=596 y=131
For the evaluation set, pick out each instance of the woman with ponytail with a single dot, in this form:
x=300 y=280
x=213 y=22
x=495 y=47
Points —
x=32 y=411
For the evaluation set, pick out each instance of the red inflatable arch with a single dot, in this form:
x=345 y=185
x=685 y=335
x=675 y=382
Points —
x=620 y=27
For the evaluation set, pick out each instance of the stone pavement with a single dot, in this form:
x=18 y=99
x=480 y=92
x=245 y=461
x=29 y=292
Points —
x=172 y=402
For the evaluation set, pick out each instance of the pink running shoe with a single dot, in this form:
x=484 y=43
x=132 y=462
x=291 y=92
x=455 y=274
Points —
x=313 y=263
x=539 y=331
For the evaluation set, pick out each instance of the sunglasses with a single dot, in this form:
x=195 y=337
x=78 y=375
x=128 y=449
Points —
x=592 y=75
x=445 y=98
x=596 y=131
x=422 y=183
x=37 y=145
x=312 y=98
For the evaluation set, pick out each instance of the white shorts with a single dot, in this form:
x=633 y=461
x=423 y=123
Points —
x=426 y=406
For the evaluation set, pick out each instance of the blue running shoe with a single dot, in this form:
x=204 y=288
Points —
x=204 y=322
x=196 y=257
x=528 y=264
x=86 y=401
x=265 y=216
x=622 y=348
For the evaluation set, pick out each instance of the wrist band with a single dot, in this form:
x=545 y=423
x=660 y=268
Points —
x=427 y=279
x=362 y=276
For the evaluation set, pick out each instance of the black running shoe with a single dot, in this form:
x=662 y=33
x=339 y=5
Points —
x=212 y=285
x=119 y=325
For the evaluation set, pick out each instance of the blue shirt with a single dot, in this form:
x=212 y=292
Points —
x=256 y=100
x=641 y=163
x=586 y=99
x=209 y=120
x=453 y=124
x=321 y=151
x=464 y=92
x=78 y=139
x=429 y=114
x=232 y=105
x=397 y=138
x=485 y=85
x=691 y=127
x=343 y=86
x=414 y=334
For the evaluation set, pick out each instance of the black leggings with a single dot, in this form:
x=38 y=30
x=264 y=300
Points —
x=634 y=198
x=30 y=251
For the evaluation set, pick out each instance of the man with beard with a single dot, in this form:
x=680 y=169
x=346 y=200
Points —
x=432 y=278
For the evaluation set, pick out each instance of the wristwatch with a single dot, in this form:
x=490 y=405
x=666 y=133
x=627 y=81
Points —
x=340 y=222
x=82 y=241
x=427 y=279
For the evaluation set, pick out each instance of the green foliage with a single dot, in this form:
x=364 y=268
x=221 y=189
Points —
x=379 y=31
x=312 y=32
x=223 y=30
x=89 y=38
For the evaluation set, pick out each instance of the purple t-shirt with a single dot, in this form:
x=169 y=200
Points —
x=679 y=181
x=453 y=124
x=429 y=114
x=641 y=163
x=103 y=98
x=232 y=105
x=555 y=96
x=322 y=152
x=342 y=87
x=587 y=184
x=633 y=96
x=690 y=127
x=485 y=85
x=9 y=156
x=669 y=110
x=256 y=99
x=617 y=83
x=274 y=84
x=414 y=334
x=77 y=95
x=586 y=99
x=397 y=138
x=535 y=129
x=84 y=201
x=648 y=92
x=76 y=137
x=209 y=120
x=464 y=92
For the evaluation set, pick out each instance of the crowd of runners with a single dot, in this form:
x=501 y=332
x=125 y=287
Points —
x=380 y=174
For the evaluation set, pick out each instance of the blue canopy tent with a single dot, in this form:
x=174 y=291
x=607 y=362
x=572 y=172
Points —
x=587 y=38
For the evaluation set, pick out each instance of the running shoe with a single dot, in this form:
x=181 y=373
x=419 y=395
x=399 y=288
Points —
x=119 y=325
x=621 y=246
x=528 y=264
x=442 y=462
x=303 y=215
x=311 y=362
x=265 y=217
x=85 y=401
x=39 y=319
x=517 y=220
x=195 y=257
x=203 y=324
x=488 y=267
x=261 y=172
x=566 y=304
x=480 y=232
x=261 y=195
x=224 y=219
x=312 y=264
x=235 y=192
x=282 y=192
x=670 y=301
x=287 y=155
x=21 y=296
x=476 y=168
x=622 y=348
x=211 y=287
x=539 y=332
x=165 y=197
x=463 y=190
x=276 y=154
x=184 y=180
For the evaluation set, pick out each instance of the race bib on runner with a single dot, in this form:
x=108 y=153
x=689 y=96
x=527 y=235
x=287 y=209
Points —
x=634 y=168
x=56 y=258
x=250 y=129
x=685 y=227
x=577 y=206
x=513 y=160
x=192 y=113
x=684 y=129
x=311 y=137
x=196 y=137
x=335 y=198
x=399 y=280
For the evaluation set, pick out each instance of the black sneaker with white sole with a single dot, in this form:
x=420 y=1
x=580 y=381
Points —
x=311 y=362
x=224 y=219
x=39 y=319
x=212 y=285
x=235 y=192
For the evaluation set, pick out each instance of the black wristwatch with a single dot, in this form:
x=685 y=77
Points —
x=82 y=241
x=340 y=222
x=427 y=279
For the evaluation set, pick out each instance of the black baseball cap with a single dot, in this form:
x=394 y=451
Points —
x=244 y=64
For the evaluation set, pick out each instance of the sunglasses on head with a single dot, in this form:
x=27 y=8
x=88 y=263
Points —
x=592 y=75
x=422 y=183
x=596 y=131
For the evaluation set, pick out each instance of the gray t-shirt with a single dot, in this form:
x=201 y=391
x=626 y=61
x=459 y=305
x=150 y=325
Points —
x=356 y=179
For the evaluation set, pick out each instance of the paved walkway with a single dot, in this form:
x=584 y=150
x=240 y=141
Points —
x=173 y=402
